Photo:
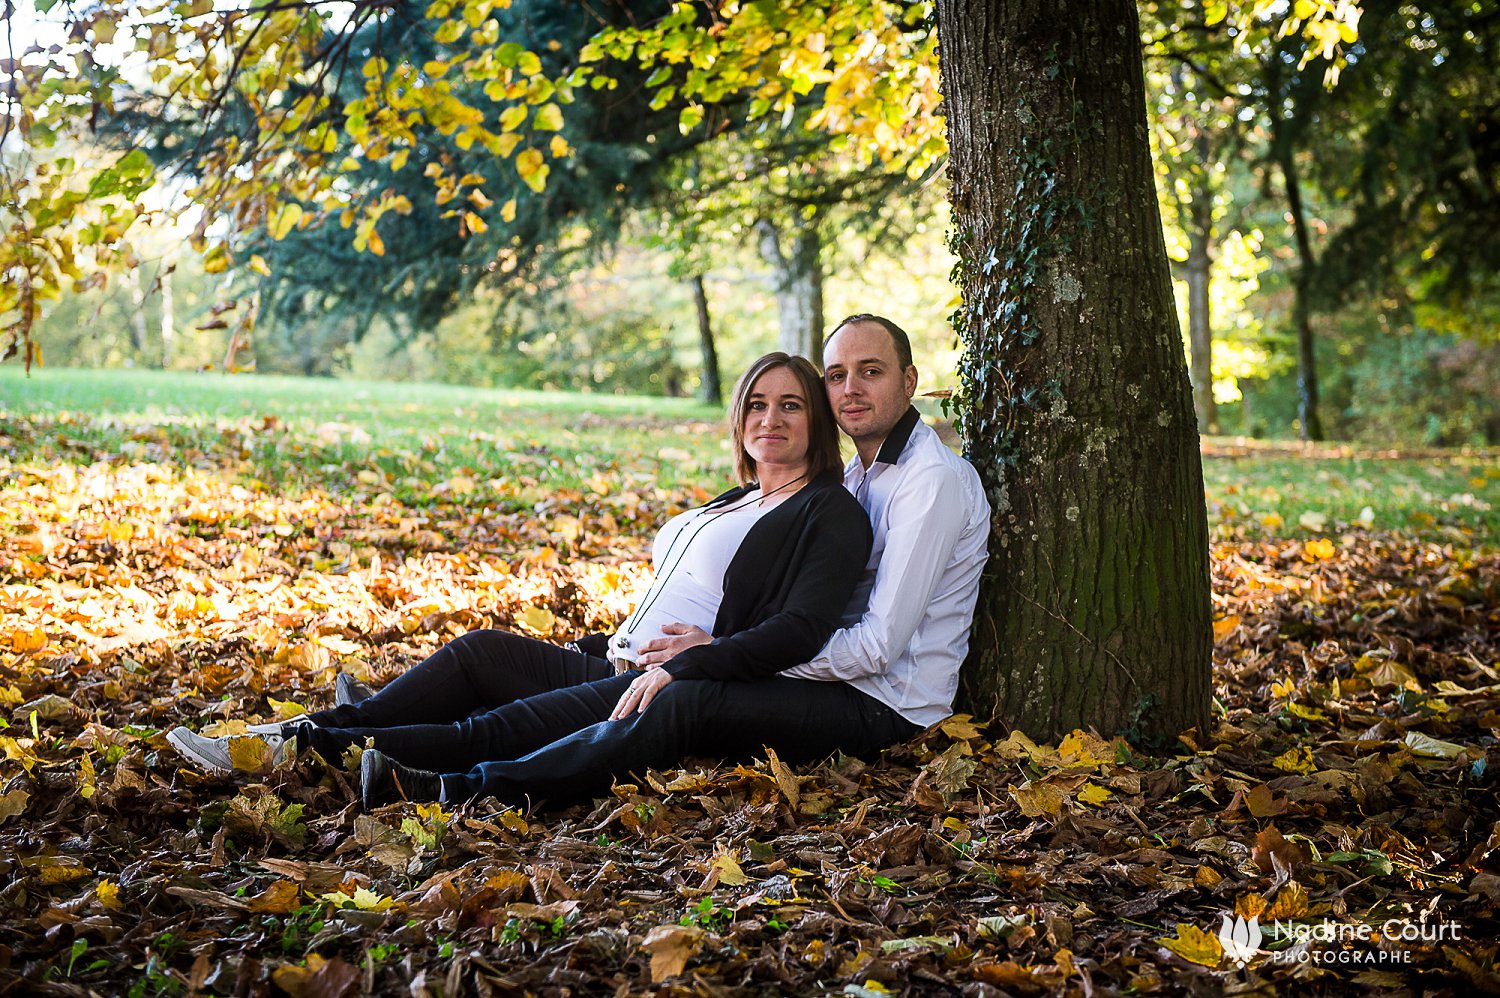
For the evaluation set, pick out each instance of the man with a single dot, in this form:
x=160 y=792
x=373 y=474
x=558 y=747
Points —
x=931 y=523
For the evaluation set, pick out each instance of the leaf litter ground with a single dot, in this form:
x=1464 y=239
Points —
x=1347 y=780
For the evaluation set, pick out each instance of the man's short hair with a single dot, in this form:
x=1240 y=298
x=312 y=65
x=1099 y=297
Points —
x=899 y=339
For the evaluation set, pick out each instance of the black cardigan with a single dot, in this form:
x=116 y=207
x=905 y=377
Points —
x=786 y=587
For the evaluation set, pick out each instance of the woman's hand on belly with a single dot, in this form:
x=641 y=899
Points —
x=640 y=693
x=681 y=638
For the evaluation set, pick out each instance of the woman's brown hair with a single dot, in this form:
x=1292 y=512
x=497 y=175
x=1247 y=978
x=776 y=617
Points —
x=822 y=430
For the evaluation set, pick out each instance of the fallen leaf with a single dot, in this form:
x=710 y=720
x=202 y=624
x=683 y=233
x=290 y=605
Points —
x=1195 y=945
x=670 y=947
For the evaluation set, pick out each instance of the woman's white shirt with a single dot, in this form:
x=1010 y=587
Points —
x=690 y=555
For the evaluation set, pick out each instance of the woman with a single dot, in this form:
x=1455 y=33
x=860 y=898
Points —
x=748 y=585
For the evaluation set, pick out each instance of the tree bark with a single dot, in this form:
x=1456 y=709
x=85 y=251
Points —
x=1074 y=396
x=1200 y=316
x=798 y=278
x=712 y=390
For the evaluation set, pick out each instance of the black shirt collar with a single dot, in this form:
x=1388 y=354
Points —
x=895 y=441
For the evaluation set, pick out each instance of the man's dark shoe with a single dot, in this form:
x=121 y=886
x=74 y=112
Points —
x=348 y=690
x=384 y=781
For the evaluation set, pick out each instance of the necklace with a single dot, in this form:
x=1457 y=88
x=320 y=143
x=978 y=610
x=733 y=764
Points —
x=621 y=640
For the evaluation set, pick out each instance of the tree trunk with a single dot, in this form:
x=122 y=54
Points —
x=168 y=316
x=712 y=391
x=132 y=278
x=1074 y=396
x=1311 y=426
x=1200 y=319
x=798 y=278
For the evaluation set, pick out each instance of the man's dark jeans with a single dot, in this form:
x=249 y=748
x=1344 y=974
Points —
x=542 y=730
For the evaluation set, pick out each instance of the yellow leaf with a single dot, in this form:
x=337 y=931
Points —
x=87 y=785
x=286 y=218
x=1297 y=760
x=559 y=147
x=730 y=873
x=377 y=245
x=1207 y=876
x=548 y=118
x=1307 y=713
x=532 y=169
x=539 y=620
x=959 y=727
x=508 y=210
x=259 y=265
x=1320 y=549
x=1039 y=799
x=478 y=199
x=474 y=222
x=1290 y=903
x=368 y=900
x=251 y=754
x=1195 y=945
x=1094 y=794
x=108 y=893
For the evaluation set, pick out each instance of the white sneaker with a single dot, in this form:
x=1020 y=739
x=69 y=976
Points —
x=213 y=754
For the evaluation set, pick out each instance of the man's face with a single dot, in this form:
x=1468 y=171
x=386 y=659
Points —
x=866 y=385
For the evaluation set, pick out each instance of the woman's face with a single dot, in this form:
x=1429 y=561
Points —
x=776 y=420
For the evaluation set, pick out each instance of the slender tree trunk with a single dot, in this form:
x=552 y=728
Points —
x=137 y=311
x=798 y=277
x=712 y=391
x=1200 y=317
x=1307 y=363
x=168 y=316
x=1076 y=406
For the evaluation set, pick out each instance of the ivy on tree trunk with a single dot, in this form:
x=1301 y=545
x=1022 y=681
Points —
x=1074 y=396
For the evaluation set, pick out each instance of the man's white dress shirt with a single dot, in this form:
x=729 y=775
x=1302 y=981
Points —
x=932 y=525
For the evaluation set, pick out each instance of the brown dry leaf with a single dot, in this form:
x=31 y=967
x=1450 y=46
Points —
x=321 y=978
x=1272 y=850
x=1262 y=803
x=949 y=773
x=12 y=804
x=670 y=947
x=279 y=898
x=49 y=708
x=1195 y=945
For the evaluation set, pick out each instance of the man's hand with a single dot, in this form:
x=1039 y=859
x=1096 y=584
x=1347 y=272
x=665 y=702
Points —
x=640 y=693
x=659 y=650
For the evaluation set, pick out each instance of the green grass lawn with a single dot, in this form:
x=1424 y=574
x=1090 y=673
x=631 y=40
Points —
x=516 y=447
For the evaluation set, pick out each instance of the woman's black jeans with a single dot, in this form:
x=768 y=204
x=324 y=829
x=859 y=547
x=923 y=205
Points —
x=525 y=721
